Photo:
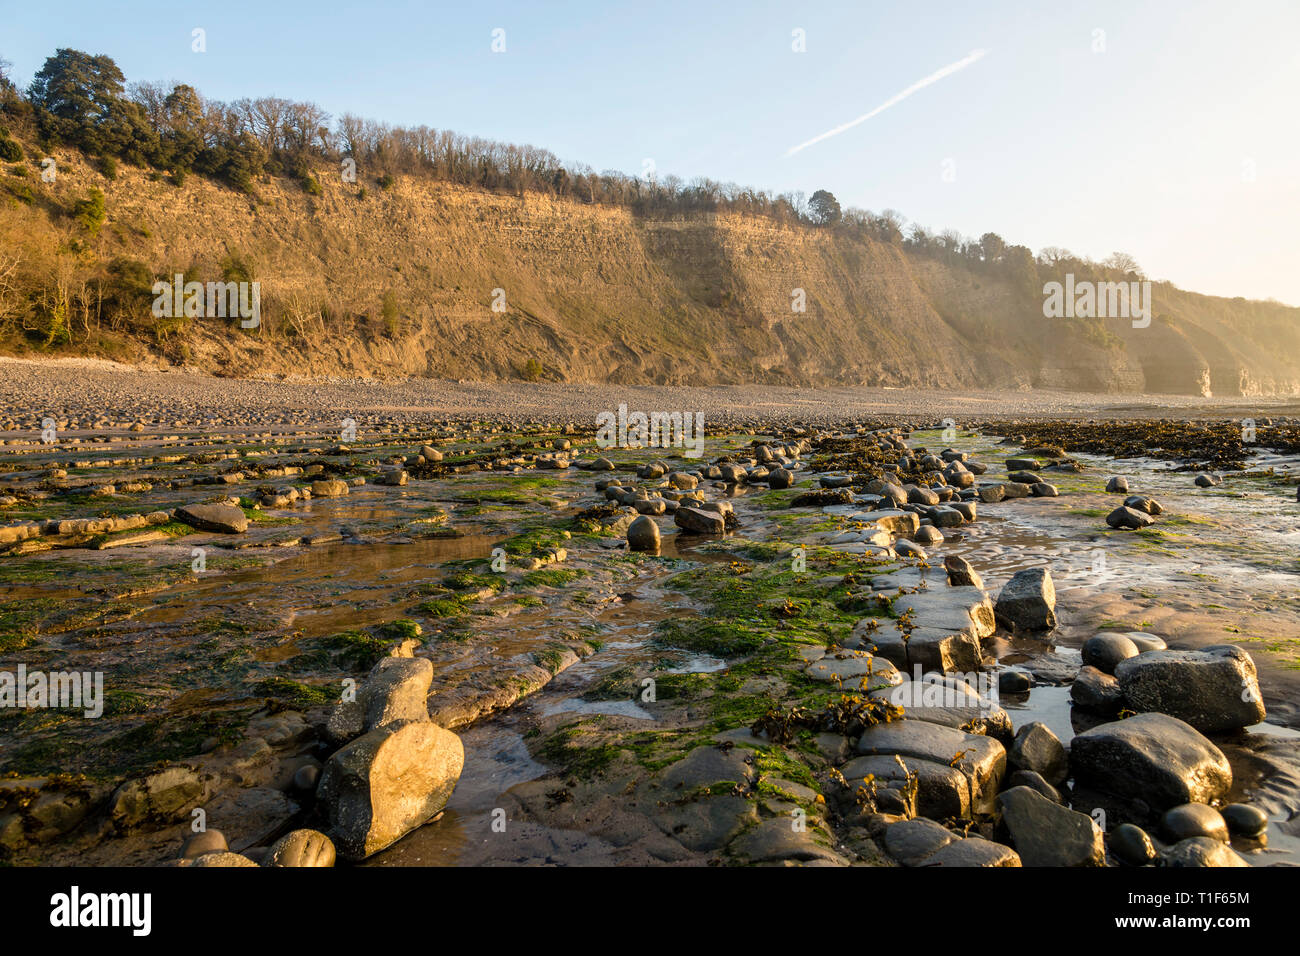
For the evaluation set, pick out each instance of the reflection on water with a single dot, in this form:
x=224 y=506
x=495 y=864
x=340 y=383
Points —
x=354 y=577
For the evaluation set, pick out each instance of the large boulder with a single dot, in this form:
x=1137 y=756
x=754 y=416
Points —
x=388 y=782
x=698 y=521
x=223 y=519
x=943 y=633
x=1215 y=689
x=1154 y=757
x=1045 y=833
x=982 y=759
x=1028 y=601
x=941 y=791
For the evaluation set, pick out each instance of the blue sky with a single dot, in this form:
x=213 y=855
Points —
x=1178 y=143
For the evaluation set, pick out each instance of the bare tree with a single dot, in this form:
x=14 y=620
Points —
x=266 y=117
x=10 y=296
x=1123 y=262
x=152 y=98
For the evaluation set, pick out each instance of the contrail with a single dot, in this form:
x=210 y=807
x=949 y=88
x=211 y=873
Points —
x=935 y=77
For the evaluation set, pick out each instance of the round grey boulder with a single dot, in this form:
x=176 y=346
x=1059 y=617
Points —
x=1130 y=844
x=928 y=534
x=643 y=535
x=1193 y=820
x=1014 y=682
x=1245 y=820
x=780 y=478
x=1104 y=651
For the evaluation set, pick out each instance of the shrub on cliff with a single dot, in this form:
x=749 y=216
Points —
x=89 y=212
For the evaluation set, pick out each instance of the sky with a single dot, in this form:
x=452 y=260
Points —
x=1167 y=130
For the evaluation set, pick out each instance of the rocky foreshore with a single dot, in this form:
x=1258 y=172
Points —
x=796 y=648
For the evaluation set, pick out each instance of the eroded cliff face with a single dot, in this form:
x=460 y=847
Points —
x=479 y=283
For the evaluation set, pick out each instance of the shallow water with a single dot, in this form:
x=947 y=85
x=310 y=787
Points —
x=356 y=576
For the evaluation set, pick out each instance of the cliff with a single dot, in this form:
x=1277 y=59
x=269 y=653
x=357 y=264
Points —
x=402 y=282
